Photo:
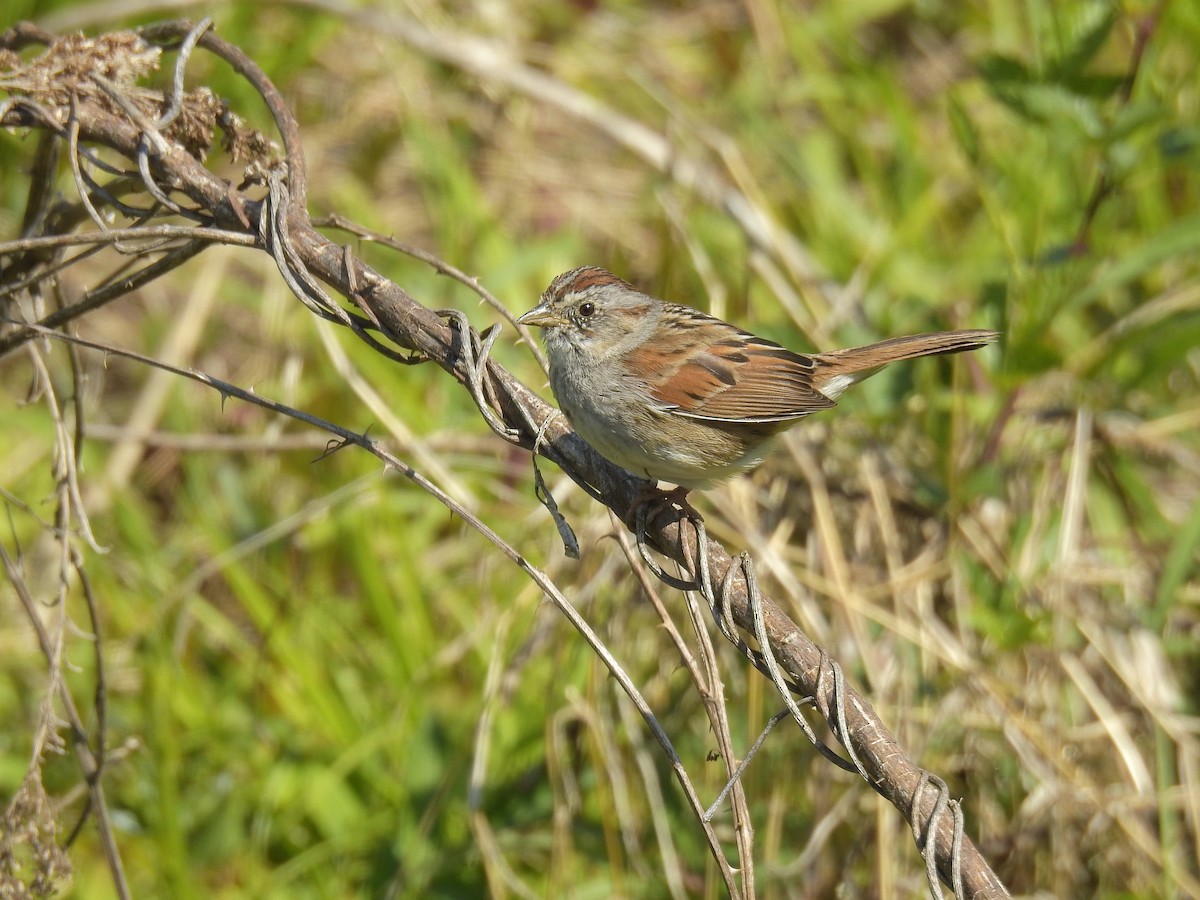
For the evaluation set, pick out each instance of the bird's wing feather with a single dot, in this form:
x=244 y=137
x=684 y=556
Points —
x=714 y=371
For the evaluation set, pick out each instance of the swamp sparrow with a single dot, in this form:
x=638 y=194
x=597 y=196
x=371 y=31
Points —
x=673 y=394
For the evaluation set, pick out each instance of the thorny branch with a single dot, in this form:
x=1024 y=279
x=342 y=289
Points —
x=96 y=103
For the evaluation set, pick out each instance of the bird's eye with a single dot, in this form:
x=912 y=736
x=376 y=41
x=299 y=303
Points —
x=587 y=308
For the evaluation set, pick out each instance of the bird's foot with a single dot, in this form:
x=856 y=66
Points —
x=657 y=501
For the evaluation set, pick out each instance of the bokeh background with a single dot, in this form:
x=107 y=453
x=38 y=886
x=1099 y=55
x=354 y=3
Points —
x=308 y=661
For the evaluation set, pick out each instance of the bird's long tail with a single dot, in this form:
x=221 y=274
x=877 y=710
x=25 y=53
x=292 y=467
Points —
x=839 y=369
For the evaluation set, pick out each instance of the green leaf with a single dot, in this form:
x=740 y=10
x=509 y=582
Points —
x=1000 y=71
x=1179 y=142
x=964 y=129
x=1053 y=104
x=1132 y=118
x=1088 y=28
x=1182 y=238
x=1180 y=565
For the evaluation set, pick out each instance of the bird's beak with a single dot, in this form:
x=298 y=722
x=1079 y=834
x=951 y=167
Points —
x=542 y=316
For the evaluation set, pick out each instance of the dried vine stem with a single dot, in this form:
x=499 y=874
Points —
x=309 y=259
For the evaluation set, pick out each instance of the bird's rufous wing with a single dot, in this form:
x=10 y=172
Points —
x=712 y=370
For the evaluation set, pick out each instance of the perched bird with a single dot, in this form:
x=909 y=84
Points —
x=673 y=394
